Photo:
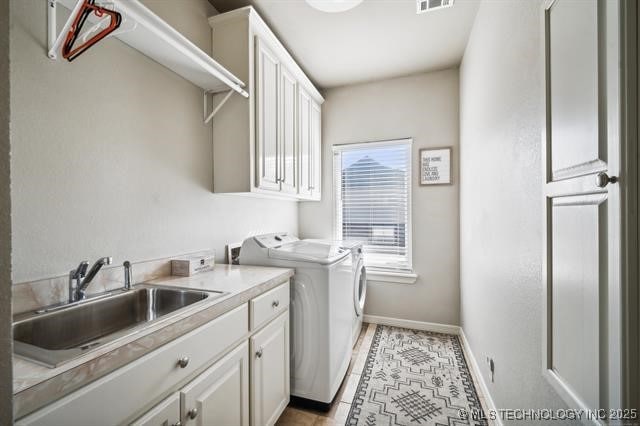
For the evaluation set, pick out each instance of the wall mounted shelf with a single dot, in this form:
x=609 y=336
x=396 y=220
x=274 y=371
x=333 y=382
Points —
x=144 y=31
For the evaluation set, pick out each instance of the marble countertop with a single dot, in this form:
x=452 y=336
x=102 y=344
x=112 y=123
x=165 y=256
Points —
x=35 y=385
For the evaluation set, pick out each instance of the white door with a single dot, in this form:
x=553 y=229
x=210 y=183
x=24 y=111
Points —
x=288 y=137
x=270 y=372
x=581 y=352
x=267 y=149
x=166 y=413
x=304 y=143
x=316 y=151
x=220 y=395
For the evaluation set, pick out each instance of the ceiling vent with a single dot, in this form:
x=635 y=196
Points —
x=431 y=5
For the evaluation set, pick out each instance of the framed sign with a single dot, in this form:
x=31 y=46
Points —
x=435 y=166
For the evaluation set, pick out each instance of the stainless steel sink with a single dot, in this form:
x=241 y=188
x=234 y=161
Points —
x=54 y=336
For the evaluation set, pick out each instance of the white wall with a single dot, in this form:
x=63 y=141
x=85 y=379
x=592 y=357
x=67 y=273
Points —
x=424 y=107
x=110 y=155
x=6 y=342
x=501 y=201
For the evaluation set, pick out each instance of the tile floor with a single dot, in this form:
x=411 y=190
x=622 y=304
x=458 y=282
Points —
x=337 y=415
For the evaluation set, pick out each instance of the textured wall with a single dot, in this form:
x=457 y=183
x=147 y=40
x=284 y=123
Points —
x=6 y=349
x=111 y=156
x=501 y=201
x=424 y=107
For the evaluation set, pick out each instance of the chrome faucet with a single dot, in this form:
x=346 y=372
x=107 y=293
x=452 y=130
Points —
x=128 y=275
x=79 y=279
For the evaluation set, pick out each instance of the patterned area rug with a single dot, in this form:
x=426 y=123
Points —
x=415 y=377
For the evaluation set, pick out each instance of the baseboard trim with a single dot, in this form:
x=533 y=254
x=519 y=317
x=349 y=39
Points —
x=416 y=325
x=479 y=379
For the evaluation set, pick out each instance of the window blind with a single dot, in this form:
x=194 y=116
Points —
x=372 y=184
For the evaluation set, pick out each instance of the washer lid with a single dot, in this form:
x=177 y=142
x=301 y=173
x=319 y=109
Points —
x=309 y=251
x=274 y=240
x=347 y=244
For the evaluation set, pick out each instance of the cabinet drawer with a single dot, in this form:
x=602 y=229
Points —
x=268 y=305
x=118 y=396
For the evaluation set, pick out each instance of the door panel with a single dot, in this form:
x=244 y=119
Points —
x=288 y=138
x=575 y=294
x=270 y=371
x=267 y=83
x=304 y=143
x=220 y=394
x=573 y=52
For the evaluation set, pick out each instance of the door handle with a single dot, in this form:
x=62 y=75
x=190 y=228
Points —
x=603 y=179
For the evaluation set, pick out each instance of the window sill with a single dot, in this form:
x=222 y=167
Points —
x=392 y=277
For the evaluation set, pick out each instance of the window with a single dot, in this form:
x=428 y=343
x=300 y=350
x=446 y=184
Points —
x=373 y=201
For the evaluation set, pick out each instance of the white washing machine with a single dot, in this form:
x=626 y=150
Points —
x=321 y=309
x=359 y=278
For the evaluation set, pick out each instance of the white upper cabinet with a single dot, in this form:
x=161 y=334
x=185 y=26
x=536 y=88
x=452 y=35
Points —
x=309 y=145
x=270 y=143
x=267 y=99
x=304 y=144
x=288 y=137
x=316 y=150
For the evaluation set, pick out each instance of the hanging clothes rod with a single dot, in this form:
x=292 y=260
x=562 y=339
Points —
x=153 y=37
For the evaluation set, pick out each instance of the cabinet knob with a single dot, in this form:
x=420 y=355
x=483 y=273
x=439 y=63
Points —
x=275 y=303
x=259 y=353
x=183 y=362
x=603 y=179
x=193 y=413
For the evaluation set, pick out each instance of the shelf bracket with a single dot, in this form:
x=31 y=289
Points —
x=54 y=38
x=209 y=116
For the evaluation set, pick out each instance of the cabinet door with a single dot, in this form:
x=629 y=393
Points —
x=316 y=151
x=167 y=413
x=267 y=146
x=270 y=371
x=220 y=395
x=288 y=136
x=304 y=143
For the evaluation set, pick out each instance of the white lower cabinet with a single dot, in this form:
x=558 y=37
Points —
x=120 y=396
x=220 y=395
x=250 y=375
x=270 y=371
x=167 y=413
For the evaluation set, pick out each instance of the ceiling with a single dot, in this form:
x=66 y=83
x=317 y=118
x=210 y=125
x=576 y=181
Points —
x=378 y=39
